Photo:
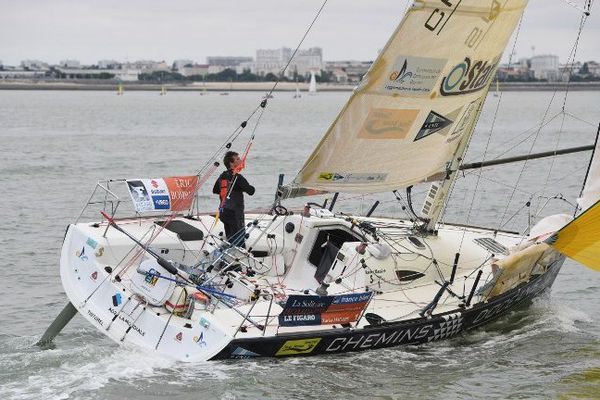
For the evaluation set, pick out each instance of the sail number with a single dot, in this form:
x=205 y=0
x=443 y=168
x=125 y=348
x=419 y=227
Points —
x=439 y=17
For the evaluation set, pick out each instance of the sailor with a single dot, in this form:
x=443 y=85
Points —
x=230 y=187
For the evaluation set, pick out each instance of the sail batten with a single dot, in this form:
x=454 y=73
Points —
x=417 y=103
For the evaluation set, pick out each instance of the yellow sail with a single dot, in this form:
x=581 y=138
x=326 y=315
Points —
x=417 y=103
x=580 y=239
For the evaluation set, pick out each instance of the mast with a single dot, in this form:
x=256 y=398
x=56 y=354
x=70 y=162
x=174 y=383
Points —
x=439 y=197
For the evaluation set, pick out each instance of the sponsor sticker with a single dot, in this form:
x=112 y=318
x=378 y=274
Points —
x=152 y=277
x=181 y=191
x=200 y=340
x=99 y=252
x=301 y=346
x=117 y=299
x=81 y=254
x=240 y=352
x=91 y=242
x=139 y=195
x=464 y=121
x=179 y=337
x=172 y=193
x=437 y=123
x=385 y=123
x=94 y=276
x=335 y=177
x=302 y=310
x=468 y=76
x=413 y=76
x=128 y=321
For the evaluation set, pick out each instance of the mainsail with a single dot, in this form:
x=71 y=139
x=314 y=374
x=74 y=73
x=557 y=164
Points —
x=418 y=102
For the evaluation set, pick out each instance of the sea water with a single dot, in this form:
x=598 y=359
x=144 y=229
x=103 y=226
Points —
x=57 y=145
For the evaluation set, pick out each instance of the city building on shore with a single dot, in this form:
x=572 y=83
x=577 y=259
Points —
x=239 y=64
x=34 y=65
x=272 y=61
x=179 y=64
x=348 y=71
x=109 y=64
x=194 y=70
x=545 y=67
x=69 y=64
x=125 y=74
x=230 y=62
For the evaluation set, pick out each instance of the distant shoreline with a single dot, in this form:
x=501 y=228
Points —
x=253 y=86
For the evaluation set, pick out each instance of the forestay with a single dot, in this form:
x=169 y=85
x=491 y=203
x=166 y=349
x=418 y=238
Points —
x=591 y=189
x=419 y=100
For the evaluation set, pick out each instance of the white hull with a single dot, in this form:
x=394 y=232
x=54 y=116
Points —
x=91 y=262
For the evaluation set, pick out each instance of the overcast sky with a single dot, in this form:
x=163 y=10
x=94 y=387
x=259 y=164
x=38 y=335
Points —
x=129 y=30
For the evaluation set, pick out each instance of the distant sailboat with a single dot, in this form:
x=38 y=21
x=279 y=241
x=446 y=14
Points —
x=163 y=90
x=497 y=88
x=120 y=90
x=312 y=88
x=297 y=95
x=230 y=89
x=203 y=91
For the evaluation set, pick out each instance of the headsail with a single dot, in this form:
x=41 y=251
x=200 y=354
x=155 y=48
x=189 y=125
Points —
x=418 y=101
x=579 y=239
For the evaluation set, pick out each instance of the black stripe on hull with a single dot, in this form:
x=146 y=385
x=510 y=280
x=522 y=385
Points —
x=415 y=331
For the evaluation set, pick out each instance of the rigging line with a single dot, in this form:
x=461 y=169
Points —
x=553 y=159
x=297 y=47
x=536 y=136
x=527 y=204
x=233 y=136
x=577 y=6
x=580 y=119
x=573 y=52
x=533 y=128
x=493 y=125
x=504 y=184
x=587 y=172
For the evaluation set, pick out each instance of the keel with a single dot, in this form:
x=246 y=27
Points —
x=57 y=325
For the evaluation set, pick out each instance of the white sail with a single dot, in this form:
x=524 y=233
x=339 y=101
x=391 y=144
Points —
x=406 y=120
x=312 y=87
x=591 y=190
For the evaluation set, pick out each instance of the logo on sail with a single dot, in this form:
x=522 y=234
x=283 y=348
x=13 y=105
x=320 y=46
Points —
x=437 y=123
x=433 y=123
x=384 y=123
x=468 y=76
x=351 y=178
x=464 y=122
x=413 y=76
x=402 y=75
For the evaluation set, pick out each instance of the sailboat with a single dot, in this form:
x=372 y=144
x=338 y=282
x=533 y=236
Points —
x=120 y=90
x=313 y=281
x=297 y=94
x=203 y=91
x=312 y=87
x=497 y=88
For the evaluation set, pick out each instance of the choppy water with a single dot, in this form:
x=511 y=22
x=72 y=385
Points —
x=56 y=145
